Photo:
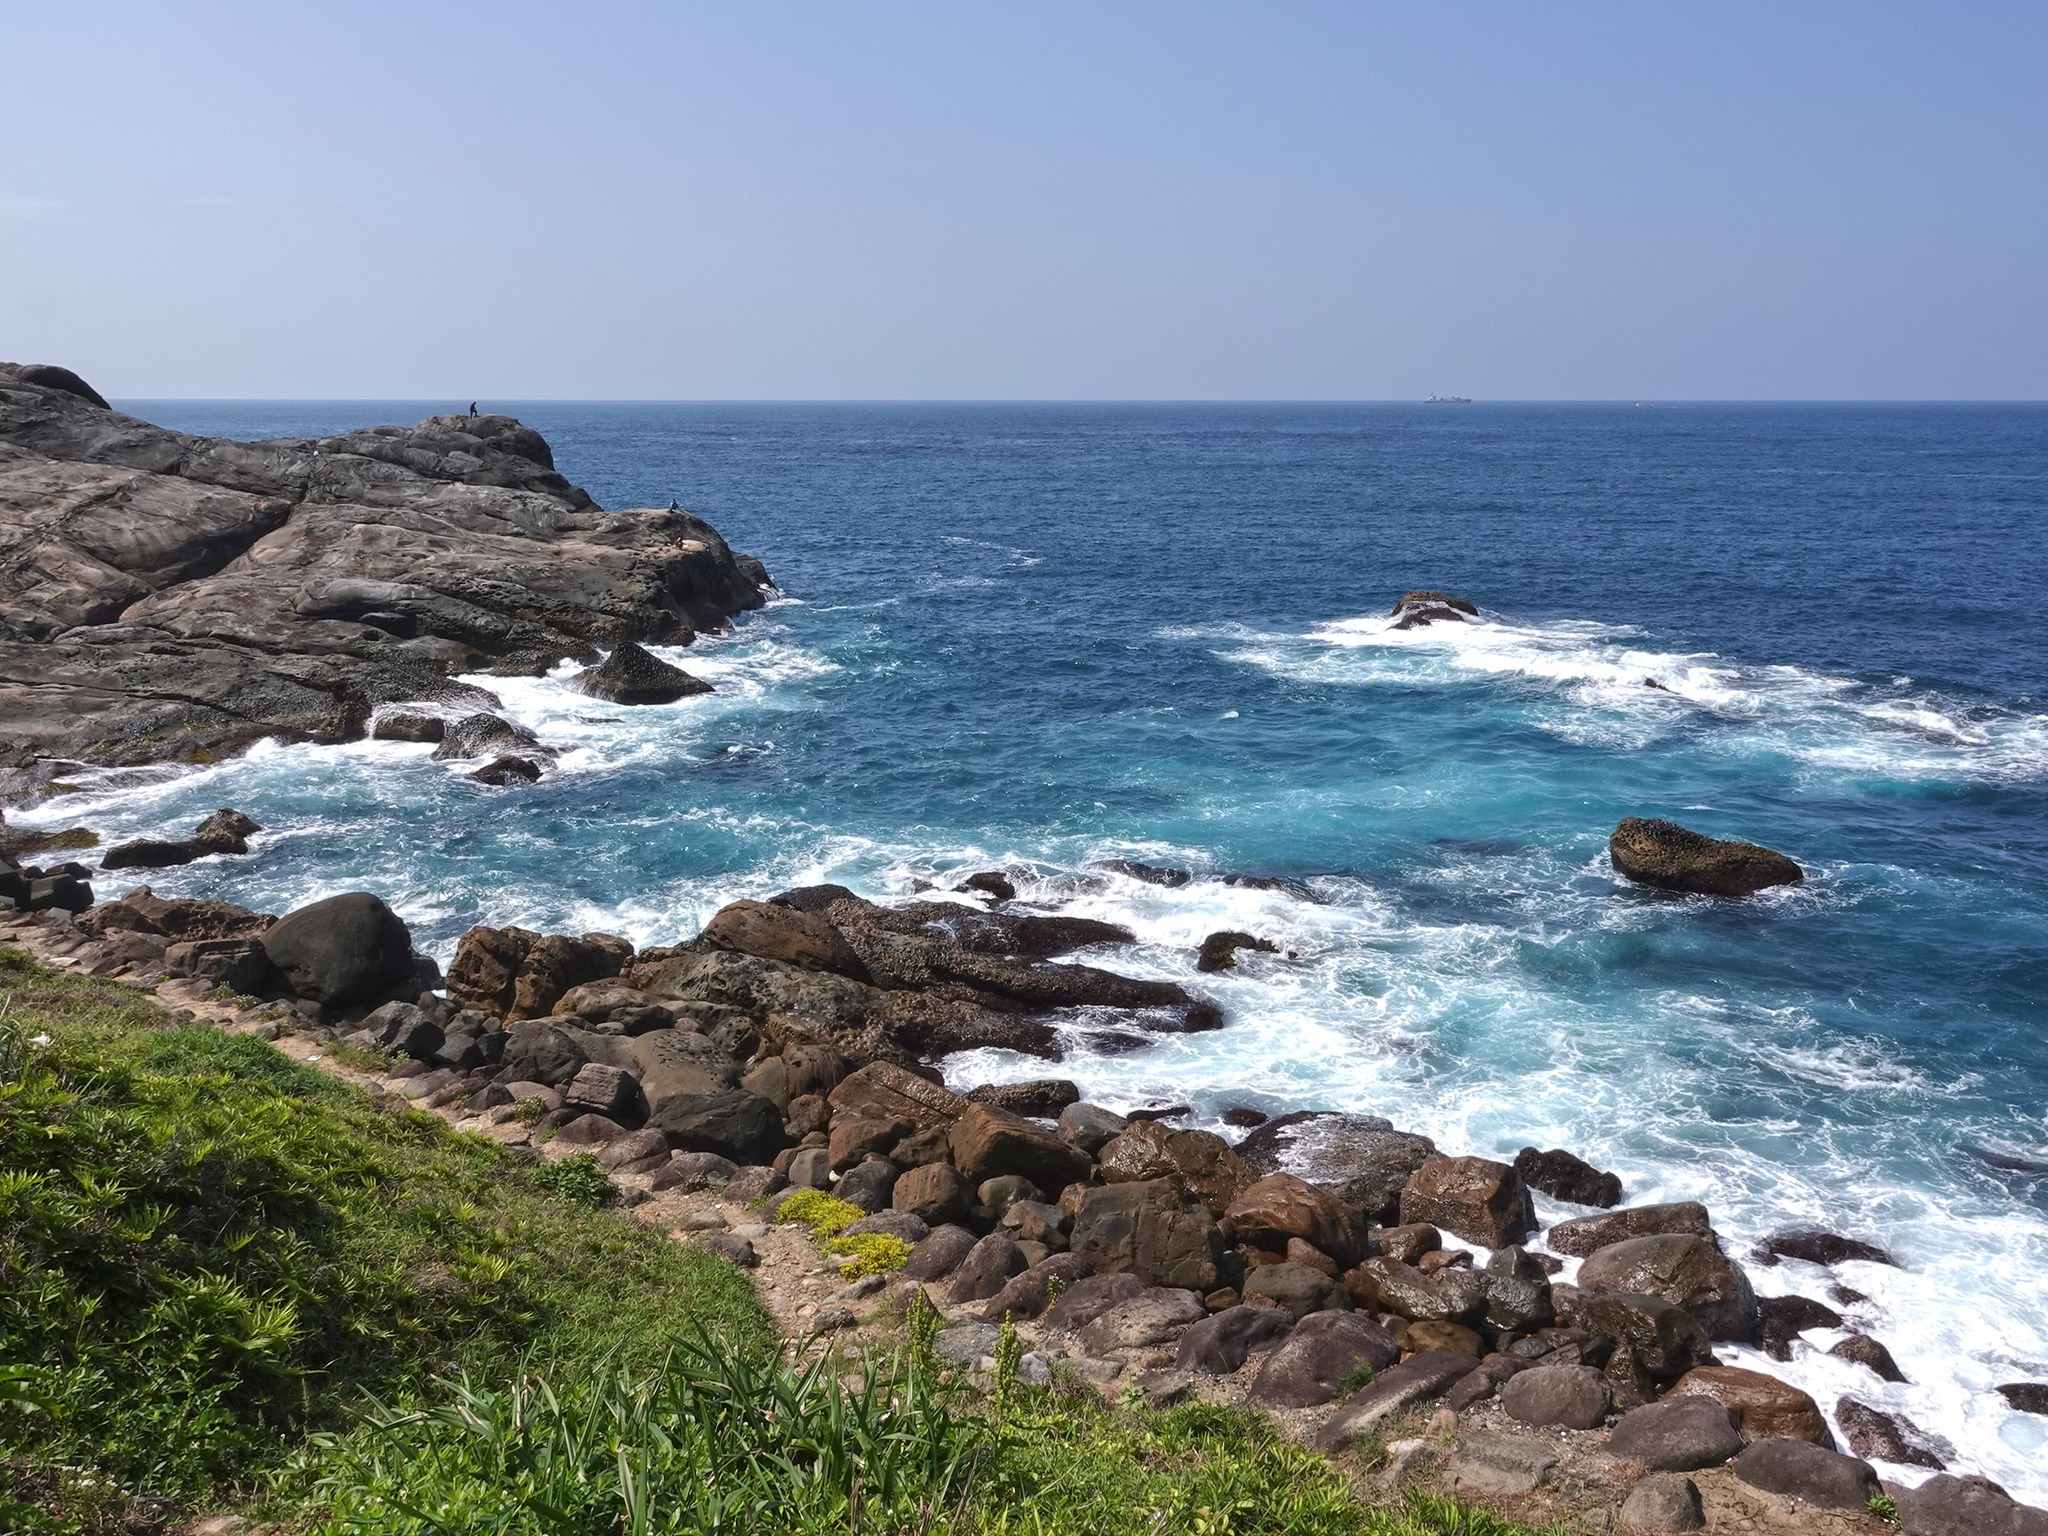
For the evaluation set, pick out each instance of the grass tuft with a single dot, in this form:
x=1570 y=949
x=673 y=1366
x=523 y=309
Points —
x=872 y=1253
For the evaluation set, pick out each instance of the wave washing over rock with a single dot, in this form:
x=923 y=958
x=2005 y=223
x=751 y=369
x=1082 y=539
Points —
x=1451 y=950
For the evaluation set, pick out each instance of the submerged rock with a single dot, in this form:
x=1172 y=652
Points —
x=1674 y=858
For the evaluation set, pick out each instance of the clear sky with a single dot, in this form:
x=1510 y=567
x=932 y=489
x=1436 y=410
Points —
x=1176 y=200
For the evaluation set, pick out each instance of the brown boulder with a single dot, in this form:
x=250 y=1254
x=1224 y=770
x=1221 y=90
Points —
x=514 y=973
x=987 y=1143
x=1764 y=1407
x=1269 y=1212
x=1674 y=858
x=1150 y=1230
x=784 y=934
x=935 y=1194
x=1201 y=1163
x=1476 y=1198
x=884 y=1091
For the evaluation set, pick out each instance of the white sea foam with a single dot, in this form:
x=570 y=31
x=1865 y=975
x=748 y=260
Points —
x=1591 y=684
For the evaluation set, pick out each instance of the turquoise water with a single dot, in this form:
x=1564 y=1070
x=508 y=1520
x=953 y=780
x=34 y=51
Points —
x=1043 y=635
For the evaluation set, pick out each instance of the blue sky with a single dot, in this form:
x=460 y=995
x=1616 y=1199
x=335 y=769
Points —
x=778 y=200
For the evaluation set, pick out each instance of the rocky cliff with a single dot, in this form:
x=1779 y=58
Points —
x=170 y=597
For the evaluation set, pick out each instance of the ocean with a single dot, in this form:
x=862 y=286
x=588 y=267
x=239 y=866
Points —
x=1037 y=636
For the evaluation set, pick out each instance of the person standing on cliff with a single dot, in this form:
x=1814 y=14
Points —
x=472 y=407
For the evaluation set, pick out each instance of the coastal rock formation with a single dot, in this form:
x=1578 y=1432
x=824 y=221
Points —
x=224 y=832
x=1674 y=858
x=171 y=597
x=631 y=676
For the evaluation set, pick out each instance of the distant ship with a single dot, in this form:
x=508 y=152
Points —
x=1448 y=400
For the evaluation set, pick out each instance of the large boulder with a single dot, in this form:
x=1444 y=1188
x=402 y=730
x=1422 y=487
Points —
x=1269 y=1211
x=987 y=1143
x=631 y=675
x=1682 y=1268
x=1879 y=1436
x=515 y=973
x=1557 y=1396
x=1966 y=1506
x=733 y=1123
x=1363 y=1155
x=784 y=934
x=1149 y=1229
x=883 y=1091
x=1674 y=858
x=1589 y=1234
x=1296 y=1288
x=1449 y=1295
x=1809 y=1473
x=1480 y=1200
x=1418 y=1379
x=1324 y=1352
x=1564 y=1176
x=1652 y=1341
x=1677 y=1434
x=1199 y=1162
x=1222 y=1342
x=1763 y=1406
x=346 y=950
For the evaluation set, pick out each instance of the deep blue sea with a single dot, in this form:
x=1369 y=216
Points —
x=1039 y=635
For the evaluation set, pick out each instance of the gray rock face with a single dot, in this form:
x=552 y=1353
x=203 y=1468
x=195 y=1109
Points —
x=1966 y=1506
x=1221 y=1343
x=1567 y=1396
x=1156 y=1316
x=1810 y=1473
x=1146 y=1229
x=1503 y=1466
x=164 y=596
x=1419 y=1378
x=1677 y=1434
x=1663 y=1502
x=1324 y=1351
x=1589 y=1234
x=1686 y=1270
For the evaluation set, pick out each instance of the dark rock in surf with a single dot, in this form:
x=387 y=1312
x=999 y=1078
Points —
x=1685 y=1269
x=1781 y=1319
x=502 y=771
x=1563 y=1176
x=1674 y=858
x=1150 y=874
x=408 y=725
x=1219 y=950
x=1866 y=1351
x=1880 y=1436
x=486 y=736
x=1041 y=1098
x=2026 y=1396
x=991 y=882
x=1417 y=609
x=631 y=675
x=1814 y=1245
x=224 y=832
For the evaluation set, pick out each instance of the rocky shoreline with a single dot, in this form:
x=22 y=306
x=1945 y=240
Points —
x=1343 y=1273
x=165 y=597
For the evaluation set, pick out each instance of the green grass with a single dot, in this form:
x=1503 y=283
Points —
x=231 y=1281
x=207 y=1250
x=713 y=1443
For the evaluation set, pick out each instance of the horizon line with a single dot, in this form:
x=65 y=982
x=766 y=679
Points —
x=1628 y=400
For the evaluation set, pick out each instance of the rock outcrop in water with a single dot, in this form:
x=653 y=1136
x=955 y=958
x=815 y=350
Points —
x=1675 y=858
x=1418 y=609
x=171 y=597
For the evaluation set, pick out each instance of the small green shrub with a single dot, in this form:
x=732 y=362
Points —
x=872 y=1253
x=361 y=1057
x=1356 y=1379
x=1884 y=1507
x=826 y=1215
x=579 y=1178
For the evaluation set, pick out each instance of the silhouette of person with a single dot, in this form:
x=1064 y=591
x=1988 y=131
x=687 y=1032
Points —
x=472 y=407
x=673 y=506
